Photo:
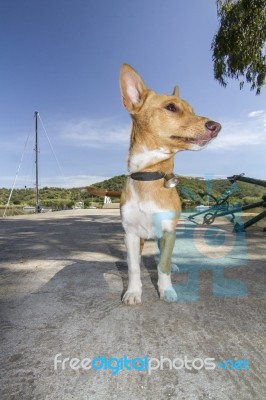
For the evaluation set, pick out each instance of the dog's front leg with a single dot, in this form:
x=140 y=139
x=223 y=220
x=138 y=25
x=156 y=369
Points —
x=166 y=245
x=133 y=293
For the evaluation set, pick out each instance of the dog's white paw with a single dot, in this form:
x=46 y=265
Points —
x=132 y=298
x=169 y=294
x=166 y=290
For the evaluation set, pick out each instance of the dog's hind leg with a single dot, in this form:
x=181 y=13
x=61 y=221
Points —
x=166 y=245
x=134 y=246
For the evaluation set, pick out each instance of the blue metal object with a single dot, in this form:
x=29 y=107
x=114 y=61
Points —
x=222 y=208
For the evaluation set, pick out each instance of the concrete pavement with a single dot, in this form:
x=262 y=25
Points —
x=62 y=276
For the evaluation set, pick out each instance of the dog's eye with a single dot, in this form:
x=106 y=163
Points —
x=171 y=107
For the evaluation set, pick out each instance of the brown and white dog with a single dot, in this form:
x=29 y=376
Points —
x=162 y=125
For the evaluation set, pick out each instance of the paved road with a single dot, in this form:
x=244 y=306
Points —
x=62 y=276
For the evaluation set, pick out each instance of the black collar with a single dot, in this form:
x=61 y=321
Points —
x=147 y=176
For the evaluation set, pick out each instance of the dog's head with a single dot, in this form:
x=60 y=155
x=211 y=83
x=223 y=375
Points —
x=163 y=121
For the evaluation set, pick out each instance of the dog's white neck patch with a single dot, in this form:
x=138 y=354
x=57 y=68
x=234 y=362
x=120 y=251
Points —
x=146 y=157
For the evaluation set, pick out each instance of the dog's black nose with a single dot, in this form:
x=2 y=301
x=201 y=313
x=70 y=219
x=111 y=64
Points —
x=214 y=127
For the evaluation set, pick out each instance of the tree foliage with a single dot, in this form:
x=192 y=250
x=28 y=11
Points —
x=239 y=45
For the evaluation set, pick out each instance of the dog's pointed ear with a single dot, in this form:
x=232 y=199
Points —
x=132 y=87
x=176 y=91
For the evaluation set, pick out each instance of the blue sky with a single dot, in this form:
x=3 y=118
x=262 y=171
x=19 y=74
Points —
x=62 y=58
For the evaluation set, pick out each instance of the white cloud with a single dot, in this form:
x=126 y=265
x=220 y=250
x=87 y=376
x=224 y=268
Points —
x=55 y=181
x=94 y=133
x=238 y=133
x=72 y=181
x=254 y=114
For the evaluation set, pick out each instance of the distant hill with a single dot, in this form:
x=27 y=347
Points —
x=115 y=184
x=190 y=190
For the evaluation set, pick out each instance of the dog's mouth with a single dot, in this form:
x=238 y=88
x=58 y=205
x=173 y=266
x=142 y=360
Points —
x=211 y=131
x=198 y=141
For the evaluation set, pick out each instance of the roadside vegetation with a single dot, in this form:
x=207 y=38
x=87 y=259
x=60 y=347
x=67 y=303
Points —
x=191 y=191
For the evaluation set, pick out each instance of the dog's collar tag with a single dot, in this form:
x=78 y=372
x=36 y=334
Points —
x=170 y=181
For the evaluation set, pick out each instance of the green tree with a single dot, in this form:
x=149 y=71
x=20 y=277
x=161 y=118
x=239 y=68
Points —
x=239 y=45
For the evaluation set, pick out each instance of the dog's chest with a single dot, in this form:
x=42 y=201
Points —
x=139 y=215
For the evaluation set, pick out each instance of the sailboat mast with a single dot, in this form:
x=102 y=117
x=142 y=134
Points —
x=37 y=208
